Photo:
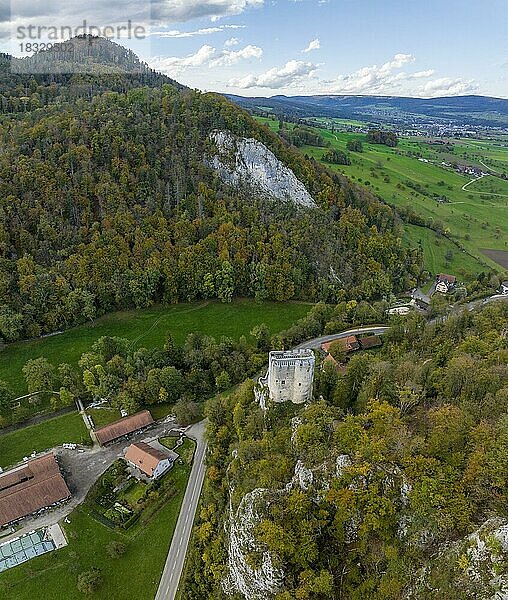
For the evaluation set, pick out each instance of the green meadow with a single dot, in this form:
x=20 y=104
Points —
x=43 y=436
x=148 y=328
x=411 y=175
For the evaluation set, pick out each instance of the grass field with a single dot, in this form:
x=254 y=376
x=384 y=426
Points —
x=148 y=328
x=437 y=250
x=134 y=575
x=476 y=217
x=17 y=444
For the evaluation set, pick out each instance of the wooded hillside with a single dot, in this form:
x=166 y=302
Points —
x=106 y=203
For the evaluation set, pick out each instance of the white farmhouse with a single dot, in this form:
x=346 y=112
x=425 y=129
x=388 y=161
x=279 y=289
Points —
x=445 y=283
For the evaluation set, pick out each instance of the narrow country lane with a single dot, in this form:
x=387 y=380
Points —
x=170 y=579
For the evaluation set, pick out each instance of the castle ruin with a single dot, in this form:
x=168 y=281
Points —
x=289 y=377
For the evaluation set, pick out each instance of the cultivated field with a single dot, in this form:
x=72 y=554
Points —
x=411 y=175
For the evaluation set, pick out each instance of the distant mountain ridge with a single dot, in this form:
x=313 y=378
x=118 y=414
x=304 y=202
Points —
x=454 y=110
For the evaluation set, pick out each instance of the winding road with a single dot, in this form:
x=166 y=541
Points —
x=316 y=342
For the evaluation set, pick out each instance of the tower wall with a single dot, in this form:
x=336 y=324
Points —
x=291 y=375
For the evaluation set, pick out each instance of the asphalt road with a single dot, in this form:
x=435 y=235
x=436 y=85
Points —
x=170 y=579
x=316 y=342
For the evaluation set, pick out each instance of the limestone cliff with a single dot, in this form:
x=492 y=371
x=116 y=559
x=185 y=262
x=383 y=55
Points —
x=480 y=561
x=241 y=161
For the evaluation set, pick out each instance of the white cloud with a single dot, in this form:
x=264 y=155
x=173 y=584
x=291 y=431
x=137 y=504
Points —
x=205 y=56
x=394 y=78
x=159 y=13
x=446 y=86
x=231 y=57
x=376 y=79
x=173 y=64
x=313 y=45
x=292 y=73
x=231 y=42
x=175 y=33
x=184 y=10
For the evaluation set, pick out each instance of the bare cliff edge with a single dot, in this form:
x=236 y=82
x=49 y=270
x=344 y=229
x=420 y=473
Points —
x=245 y=161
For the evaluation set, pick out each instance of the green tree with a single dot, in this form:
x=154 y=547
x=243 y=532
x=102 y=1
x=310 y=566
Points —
x=222 y=381
x=354 y=145
x=39 y=375
x=89 y=581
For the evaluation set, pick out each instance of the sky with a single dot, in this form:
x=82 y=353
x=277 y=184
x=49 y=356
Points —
x=417 y=48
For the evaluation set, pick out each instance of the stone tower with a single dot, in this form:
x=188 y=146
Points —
x=290 y=377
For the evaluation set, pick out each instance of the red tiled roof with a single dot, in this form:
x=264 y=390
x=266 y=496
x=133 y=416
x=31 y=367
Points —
x=145 y=457
x=124 y=426
x=349 y=343
x=446 y=278
x=31 y=487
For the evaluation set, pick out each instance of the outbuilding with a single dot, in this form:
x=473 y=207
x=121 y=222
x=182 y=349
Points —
x=30 y=488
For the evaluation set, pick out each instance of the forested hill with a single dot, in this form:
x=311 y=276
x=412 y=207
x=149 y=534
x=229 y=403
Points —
x=62 y=75
x=392 y=485
x=108 y=200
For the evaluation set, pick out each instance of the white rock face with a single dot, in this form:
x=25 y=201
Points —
x=253 y=583
x=249 y=162
x=343 y=462
x=303 y=477
x=487 y=551
x=484 y=553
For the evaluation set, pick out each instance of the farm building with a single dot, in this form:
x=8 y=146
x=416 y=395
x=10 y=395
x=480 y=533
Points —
x=149 y=460
x=371 y=341
x=123 y=427
x=30 y=488
x=349 y=343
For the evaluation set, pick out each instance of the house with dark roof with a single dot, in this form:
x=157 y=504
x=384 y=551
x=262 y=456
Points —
x=30 y=488
x=149 y=460
x=123 y=427
x=504 y=288
x=371 y=341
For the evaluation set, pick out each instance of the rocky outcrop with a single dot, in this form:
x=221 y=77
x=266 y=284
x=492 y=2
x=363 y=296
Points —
x=254 y=582
x=479 y=560
x=241 y=161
